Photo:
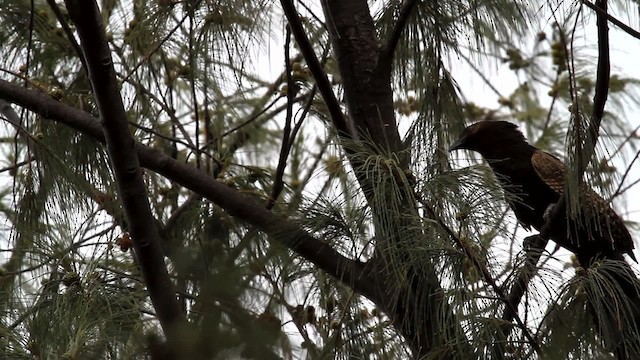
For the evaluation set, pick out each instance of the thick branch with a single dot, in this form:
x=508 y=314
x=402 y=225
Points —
x=416 y=306
x=239 y=205
x=126 y=166
x=367 y=89
x=604 y=70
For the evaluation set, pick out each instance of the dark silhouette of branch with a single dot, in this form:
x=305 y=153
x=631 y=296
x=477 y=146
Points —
x=126 y=165
x=278 y=184
x=626 y=28
x=602 y=75
x=386 y=55
x=620 y=190
x=320 y=76
x=534 y=246
x=67 y=30
x=236 y=204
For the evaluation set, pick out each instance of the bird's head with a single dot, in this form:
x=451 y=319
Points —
x=487 y=136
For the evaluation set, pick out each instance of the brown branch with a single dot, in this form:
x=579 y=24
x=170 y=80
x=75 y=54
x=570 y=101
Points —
x=236 y=204
x=416 y=306
x=602 y=75
x=367 y=87
x=247 y=209
x=126 y=165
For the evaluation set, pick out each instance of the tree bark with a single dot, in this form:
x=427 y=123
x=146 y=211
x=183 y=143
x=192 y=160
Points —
x=417 y=306
x=126 y=166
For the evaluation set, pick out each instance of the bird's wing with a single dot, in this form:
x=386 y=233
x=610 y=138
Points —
x=550 y=170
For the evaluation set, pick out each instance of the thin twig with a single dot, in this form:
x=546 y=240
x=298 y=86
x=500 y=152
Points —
x=303 y=116
x=488 y=278
x=246 y=122
x=480 y=73
x=17 y=165
x=553 y=102
x=634 y=183
x=624 y=177
x=173 y=139
x=278 y=184
x=386 y=55
x=312 y=14
x=194 y=94
x=320 y=76
x=161 y=42
x=67 y=30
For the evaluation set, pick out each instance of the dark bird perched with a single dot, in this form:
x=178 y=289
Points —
x=534 y=181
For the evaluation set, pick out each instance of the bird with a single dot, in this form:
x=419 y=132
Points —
x=533 y=181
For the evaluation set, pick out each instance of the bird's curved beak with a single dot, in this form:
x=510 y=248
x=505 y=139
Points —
x=459 y=144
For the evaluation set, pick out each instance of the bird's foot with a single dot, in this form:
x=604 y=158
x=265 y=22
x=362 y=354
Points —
x=526 y=243
x=548 y=211
x=532 y=242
